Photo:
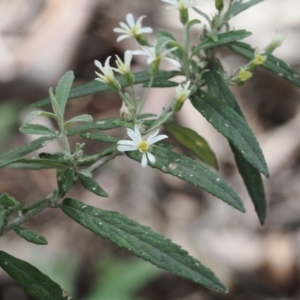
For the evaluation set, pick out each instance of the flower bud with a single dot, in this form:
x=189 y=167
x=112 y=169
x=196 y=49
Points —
x=219 y=4
x=184 y=15
x=182 y=93
x=243 y=76
x=275 y=43
x=258 y=59
x=125 y=114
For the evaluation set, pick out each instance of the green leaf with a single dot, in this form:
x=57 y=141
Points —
x=193 y=172
x=194 y=142
x=238 y=6
x=37 y=113
x=29 y=235
x=161 y=83
x=8 y=201
x=7 y=158
x=94 y=86
x=223 y=38
x=67 y=179
x=272 y=63
x=179 y=52
x=36 y=284
x=99 y=137
x=91 y=185
x=254 y=184
x=101 y=125
x=82 y=118
x=232 y=126
x=63 y=89
x=38 y=129
x=141 y=241
x=252 y=178
x=3 y=215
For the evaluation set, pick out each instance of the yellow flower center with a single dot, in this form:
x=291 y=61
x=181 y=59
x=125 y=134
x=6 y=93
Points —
x=259 y=59
x=143 y=146
x=134 y=31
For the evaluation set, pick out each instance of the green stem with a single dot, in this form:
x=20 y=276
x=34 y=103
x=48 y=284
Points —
x=29 y=212
x=102 y=161
x=141 y=105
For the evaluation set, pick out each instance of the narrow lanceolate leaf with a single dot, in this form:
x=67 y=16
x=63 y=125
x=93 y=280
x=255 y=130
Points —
x=232 y=126
x=29 y=235
x=251 y=176
x=35 y=283
x=142 y=242
x=223 y=38
x=194 y=142
x=193 y=172
x=7 y=158
x=101 y=125
x=82 y=118
x=63 y=90
x=239 y=6
x=8 y=201
x=99 y=137
x=37 y=113
x=272 y=63
x=92 y=185
x=94 y=86
x=38 y=129
x=254 y=184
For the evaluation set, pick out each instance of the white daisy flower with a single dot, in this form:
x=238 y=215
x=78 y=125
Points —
x=153 y=56
x=137 y=143
x=132 y=29
x=124 y=67
x=108 y=74
x=182 y=92
x=179 y=4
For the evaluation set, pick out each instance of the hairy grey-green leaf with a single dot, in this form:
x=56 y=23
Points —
x=38 y=129
x=35 y=283
x=141 y=241
x=82 y=118
x=7 y=158
x=29 y=235
x=94 y=86
x=63 y=90
x=101 y=125
x=239 y=6
x=234 y=127
x=99 y=137
x=192 y=171
x=223 y=38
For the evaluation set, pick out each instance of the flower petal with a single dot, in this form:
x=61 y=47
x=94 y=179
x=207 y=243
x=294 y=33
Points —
x=126 y=142
x=120 y=30
x=122 y=148
x=122 y=37
x=144 y=161
x=151 y=157
x=173 y=61
x=157 y=138
x=145 y=30
x=130 y=20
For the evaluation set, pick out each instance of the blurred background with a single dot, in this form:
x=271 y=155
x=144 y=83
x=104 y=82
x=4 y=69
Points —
x=39 y=41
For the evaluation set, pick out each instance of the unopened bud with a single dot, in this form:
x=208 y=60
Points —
x=184 y=15
x=275 y=43
x=219 y=4
x=258 y=59
x=125 y=114
x=243 y=76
